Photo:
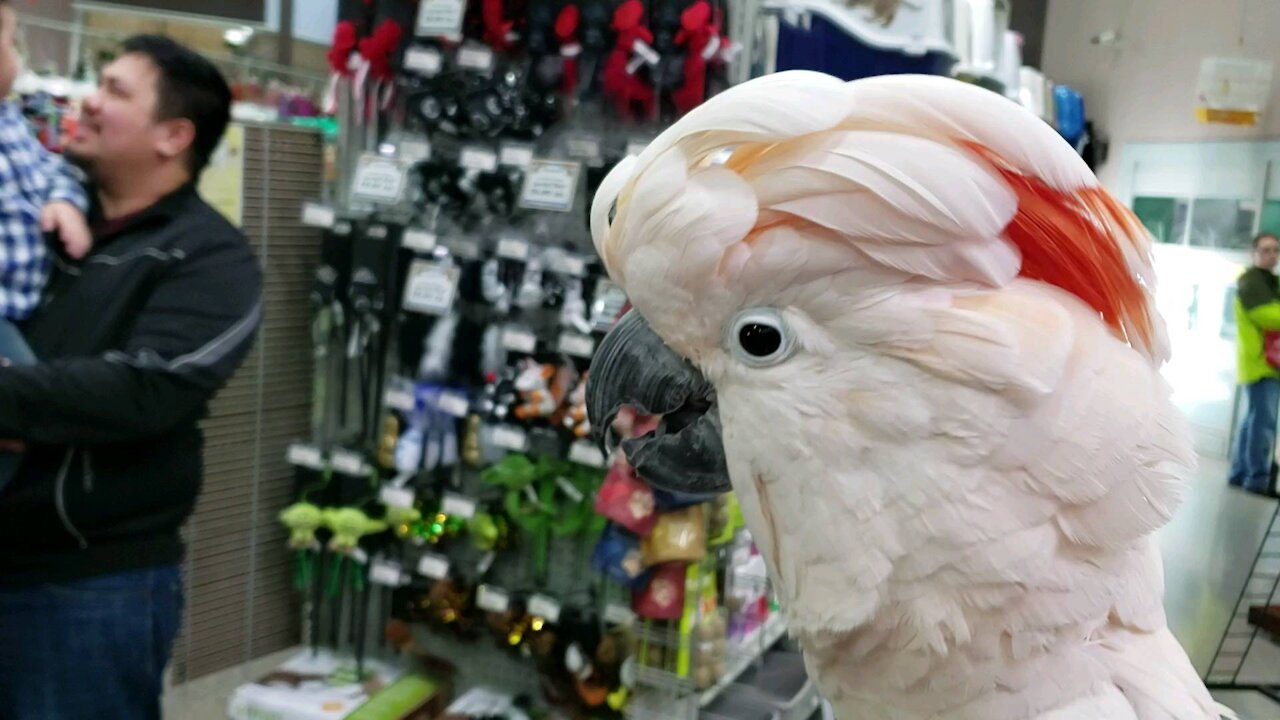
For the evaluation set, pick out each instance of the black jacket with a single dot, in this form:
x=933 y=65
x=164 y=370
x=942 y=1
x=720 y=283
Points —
x=133 y=344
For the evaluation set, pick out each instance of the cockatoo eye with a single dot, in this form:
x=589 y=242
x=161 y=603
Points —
x=761 y=338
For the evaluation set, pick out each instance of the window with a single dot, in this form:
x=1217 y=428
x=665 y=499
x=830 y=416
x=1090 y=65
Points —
x=1222 y=224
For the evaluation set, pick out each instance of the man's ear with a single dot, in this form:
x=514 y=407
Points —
x=176 y=138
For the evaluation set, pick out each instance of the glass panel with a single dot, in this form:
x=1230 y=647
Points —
x=1270 y=222
x=1223 y=224
x=1160 y=215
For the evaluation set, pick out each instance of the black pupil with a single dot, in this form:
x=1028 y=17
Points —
x=760 y=340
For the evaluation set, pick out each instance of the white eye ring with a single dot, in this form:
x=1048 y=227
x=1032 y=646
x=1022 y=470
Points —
x=760 y=338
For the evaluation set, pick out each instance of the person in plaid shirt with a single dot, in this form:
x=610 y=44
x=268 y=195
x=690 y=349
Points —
x=39 y=193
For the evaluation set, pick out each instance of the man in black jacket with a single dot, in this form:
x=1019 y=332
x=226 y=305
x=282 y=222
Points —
x=133 y=344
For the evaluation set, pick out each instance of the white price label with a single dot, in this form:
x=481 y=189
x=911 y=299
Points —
x=550 y=186
x=379 y=180
x=396 y=497
x=478 y=158
x=516 y=155
x=569 y=490
x=376 y=232
x=545 y=608
x=644 y=50
x=414 y=151
x=433 y=566
x=475 y=57
x=399 y=399
x=586 y=453
x=585 y=148
x=431 y=287
x=317 y=215
x=350 y=463
x=307 y=456
x=513 y=249
x=454 y=404
x=519 y=340
x=441 y=18
x=577 y=345
x=465 y=249
x=635 y=147
x=385 y=573
x=424 y=61
x=458 y=506
x=616 y=614
x=510 y=438
x=572 y=265
x=419 y=240
x=493 y=599
x=359 y=555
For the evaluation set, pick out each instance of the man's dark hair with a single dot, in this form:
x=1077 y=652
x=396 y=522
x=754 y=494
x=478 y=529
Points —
x=1257 y=240
x=190 y=88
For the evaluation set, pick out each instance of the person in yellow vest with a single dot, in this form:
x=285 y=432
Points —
x=1257 y=310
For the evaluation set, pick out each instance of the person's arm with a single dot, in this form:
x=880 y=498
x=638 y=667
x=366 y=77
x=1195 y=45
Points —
x=1260 y=303
x=189 y=337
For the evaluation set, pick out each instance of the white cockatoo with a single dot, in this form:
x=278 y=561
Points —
x=902 y=320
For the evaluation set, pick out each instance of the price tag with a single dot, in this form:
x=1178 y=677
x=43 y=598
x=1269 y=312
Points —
x=359 y=555
x=430 y=288
x=317 y=215
x=510 y=438
x=376 y=232
x=616 y=614
x=465 y=249
x=454 y=404
x=419 y=241
x=424 y=61
x=475 y=57
x=414 y=151
x=585 y=148
x=545 y=608
x=635 y=147
x=441 y=18
x=433 y=566
x=307 y=456
x=516 y=155
x=569 y=490
x=586 y=453
x=379 y=180
x=399 y=399
x=458 y=506
x=493 y=599
x=513 y=249
x=349 y=463
x=577 y=345
x=644 y=50
x=396 y=497
x=478 y=158
x=567 y=264
x=519 y=340
x=385 y=573
x=550 y=185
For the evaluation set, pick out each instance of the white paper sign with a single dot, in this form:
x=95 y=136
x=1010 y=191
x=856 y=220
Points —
x=466 y=249
x=478 y=158
x=418 y=240
x=519 y=340
x=433 y=566
x=414 y=151
x=635 y=147
x=424 y=61
x=567 y=264
x=307 y=456
x=576 y=345
x=441 y=18
x=454 y=404
x=584 y=452
x=379 y=180
x=475 y=57
x=350 y=463
x=545 y=608
x=430 y=287
x=399 y=399
x=616 y=614
x=493 y=599
x=513 y=249
x=585 y=148
x=516 y=155
x=317 y=215
x=458 y=506
x=386 y=573
x=550 y=185
x=396 y=497
x=510 y=438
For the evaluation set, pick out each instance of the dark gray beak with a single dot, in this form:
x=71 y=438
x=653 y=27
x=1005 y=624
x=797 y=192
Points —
x=634 y=367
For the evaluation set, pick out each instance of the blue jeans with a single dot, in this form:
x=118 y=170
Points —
x=13 y=351
x=1255 y=448
x=93 y=648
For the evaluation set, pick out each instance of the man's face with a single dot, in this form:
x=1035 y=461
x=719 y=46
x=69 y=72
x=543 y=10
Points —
x=118 y=126
x=1267 y=253
x=10 y=61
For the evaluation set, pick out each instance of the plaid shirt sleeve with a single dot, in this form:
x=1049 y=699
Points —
x=30 y=178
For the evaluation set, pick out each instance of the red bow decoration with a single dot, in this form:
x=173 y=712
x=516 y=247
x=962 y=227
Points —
x=626 y=88
x=697 y=30
x=378 y=48
x=567 y=23
x=344 y=41
x=497 y=29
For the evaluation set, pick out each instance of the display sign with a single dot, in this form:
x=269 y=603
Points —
x=550 y=185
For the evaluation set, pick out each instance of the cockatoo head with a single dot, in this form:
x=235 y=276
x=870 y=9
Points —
x=788 y=235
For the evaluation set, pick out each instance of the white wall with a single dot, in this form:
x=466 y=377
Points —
x=1145 y=88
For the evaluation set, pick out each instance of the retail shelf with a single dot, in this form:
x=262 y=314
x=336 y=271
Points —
x=755 y=644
